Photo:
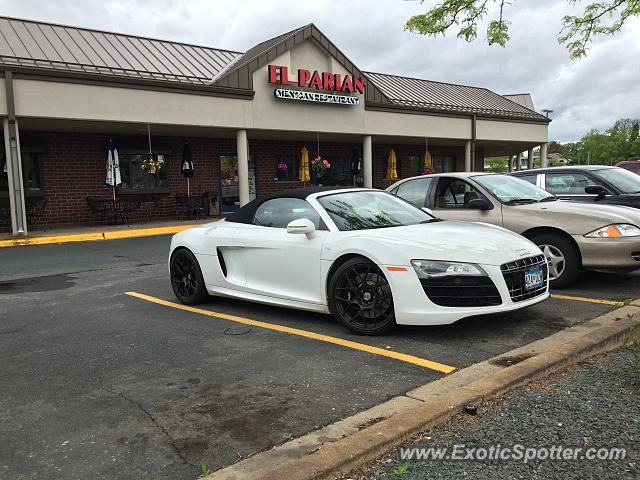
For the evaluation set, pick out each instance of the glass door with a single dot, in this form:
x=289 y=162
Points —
x=229 y=191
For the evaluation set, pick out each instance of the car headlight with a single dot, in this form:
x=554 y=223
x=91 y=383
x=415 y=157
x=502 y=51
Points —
x=615 y=231
x=436 y=268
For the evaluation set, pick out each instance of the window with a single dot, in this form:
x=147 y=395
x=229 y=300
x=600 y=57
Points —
x=415 y=166
x=277 y=213
x=567 y=183
x=456 y=194
x=414 y=191
x=632 y=167
x=623 y=180
x=367 y=209
x=287 y=168
x=532 y=178
x=136 y=174
x=340 y=172
x=442 y=164
x=31 y=173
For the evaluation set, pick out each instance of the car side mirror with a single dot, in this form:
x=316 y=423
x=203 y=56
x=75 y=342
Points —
x=480 y=204
x=595 y=190
x=301 y=226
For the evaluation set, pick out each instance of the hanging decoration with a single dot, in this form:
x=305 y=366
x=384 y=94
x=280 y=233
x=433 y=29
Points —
x=320 y=165
x=150 y=165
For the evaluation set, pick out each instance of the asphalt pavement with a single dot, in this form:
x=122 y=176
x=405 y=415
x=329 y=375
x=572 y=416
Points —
x=96 y=383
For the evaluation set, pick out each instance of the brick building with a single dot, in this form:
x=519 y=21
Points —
x=69 y=92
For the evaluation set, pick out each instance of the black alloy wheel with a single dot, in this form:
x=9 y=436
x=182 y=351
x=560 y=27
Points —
x=360 y=297
x=186 y=278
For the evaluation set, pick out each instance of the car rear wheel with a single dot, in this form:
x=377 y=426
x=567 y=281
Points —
x=562 y=258
x=360 y=297
x=186 y=278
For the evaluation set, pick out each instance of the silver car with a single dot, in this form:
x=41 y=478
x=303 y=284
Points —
x=572 y=235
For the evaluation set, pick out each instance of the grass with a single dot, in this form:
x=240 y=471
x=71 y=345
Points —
x=401 y=469
x=204 y=471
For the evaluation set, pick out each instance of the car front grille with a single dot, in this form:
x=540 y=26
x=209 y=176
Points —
x=461 y=291
x=636 y=256
x=513 y=273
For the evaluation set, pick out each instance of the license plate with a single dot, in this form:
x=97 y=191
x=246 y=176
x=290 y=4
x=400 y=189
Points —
x=533 y=278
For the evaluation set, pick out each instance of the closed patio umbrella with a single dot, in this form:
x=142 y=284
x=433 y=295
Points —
x=113 y=168
x=427 y=164
x=187 y=166
x=392 y=166
x=304 y=176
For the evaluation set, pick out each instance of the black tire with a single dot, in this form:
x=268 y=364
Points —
x=186 y=278
x=357 y=287
x=554 y=245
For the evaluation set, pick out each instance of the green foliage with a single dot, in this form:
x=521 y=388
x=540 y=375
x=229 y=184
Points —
x=204 y=470
x=496 y=164
x=577 y=31
x=401 y=469
x=620 y=142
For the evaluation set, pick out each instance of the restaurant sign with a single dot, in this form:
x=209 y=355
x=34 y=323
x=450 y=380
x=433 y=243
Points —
x=334 y=82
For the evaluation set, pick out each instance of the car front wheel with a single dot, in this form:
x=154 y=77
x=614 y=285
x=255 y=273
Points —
x=360 y=297
x=186 y=278
x=562 y=258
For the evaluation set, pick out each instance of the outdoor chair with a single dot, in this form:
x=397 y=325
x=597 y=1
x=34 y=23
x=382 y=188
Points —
x=36 y=211
x=124 y=209
x=99 y=208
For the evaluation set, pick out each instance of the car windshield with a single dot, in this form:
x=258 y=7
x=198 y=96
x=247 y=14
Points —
x=512 y=190
x=362 y=210
x=623 y=180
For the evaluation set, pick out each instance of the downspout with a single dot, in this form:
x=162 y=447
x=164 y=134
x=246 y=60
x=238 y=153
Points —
x=473 y=143
x=14 y=167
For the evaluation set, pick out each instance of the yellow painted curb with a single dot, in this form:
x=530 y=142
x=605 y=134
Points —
x=92 y=237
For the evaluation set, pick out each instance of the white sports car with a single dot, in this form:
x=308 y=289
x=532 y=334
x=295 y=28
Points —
x=369 y=258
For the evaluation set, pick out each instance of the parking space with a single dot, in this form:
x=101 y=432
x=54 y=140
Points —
x=98 y=381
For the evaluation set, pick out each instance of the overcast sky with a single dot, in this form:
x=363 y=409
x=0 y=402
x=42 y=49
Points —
x=584 y=94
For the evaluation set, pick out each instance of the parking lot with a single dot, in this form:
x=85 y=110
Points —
x=102 y=378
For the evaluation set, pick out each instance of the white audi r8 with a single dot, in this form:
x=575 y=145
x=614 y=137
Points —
x=369 y=258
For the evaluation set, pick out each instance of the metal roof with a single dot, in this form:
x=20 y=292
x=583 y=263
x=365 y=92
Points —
x=65 y=50
x=523 y=99
x=449 y=98
x=27 y=43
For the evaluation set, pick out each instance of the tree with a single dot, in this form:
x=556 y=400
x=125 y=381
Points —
x=577 y=31
x=620 y=142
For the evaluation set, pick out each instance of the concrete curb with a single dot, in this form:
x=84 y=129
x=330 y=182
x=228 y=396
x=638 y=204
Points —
x=567 y=347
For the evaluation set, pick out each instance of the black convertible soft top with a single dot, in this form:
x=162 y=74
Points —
x=246 y=213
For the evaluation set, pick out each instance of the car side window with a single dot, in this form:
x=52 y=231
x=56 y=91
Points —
x=456 y=194
x=414 y=191
x=532 y=178
x=567 y=183
x=279 y=212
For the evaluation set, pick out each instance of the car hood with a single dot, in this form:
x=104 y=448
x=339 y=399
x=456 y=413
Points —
x=576 y=218
x=447 y=240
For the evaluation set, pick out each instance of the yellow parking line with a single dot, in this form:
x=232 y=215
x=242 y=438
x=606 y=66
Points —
x=439 y=367
x=93 y=236
x=590 y=300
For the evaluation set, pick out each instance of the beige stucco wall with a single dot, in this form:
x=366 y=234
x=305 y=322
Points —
x=34 y=98
x=511 y=131
x=58 y=100
x=3 y=98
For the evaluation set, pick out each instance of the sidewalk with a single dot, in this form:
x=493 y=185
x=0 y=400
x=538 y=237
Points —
x=82 y=233
x=595 y=404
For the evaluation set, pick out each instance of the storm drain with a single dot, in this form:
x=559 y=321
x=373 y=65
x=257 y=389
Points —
x=509 y=360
